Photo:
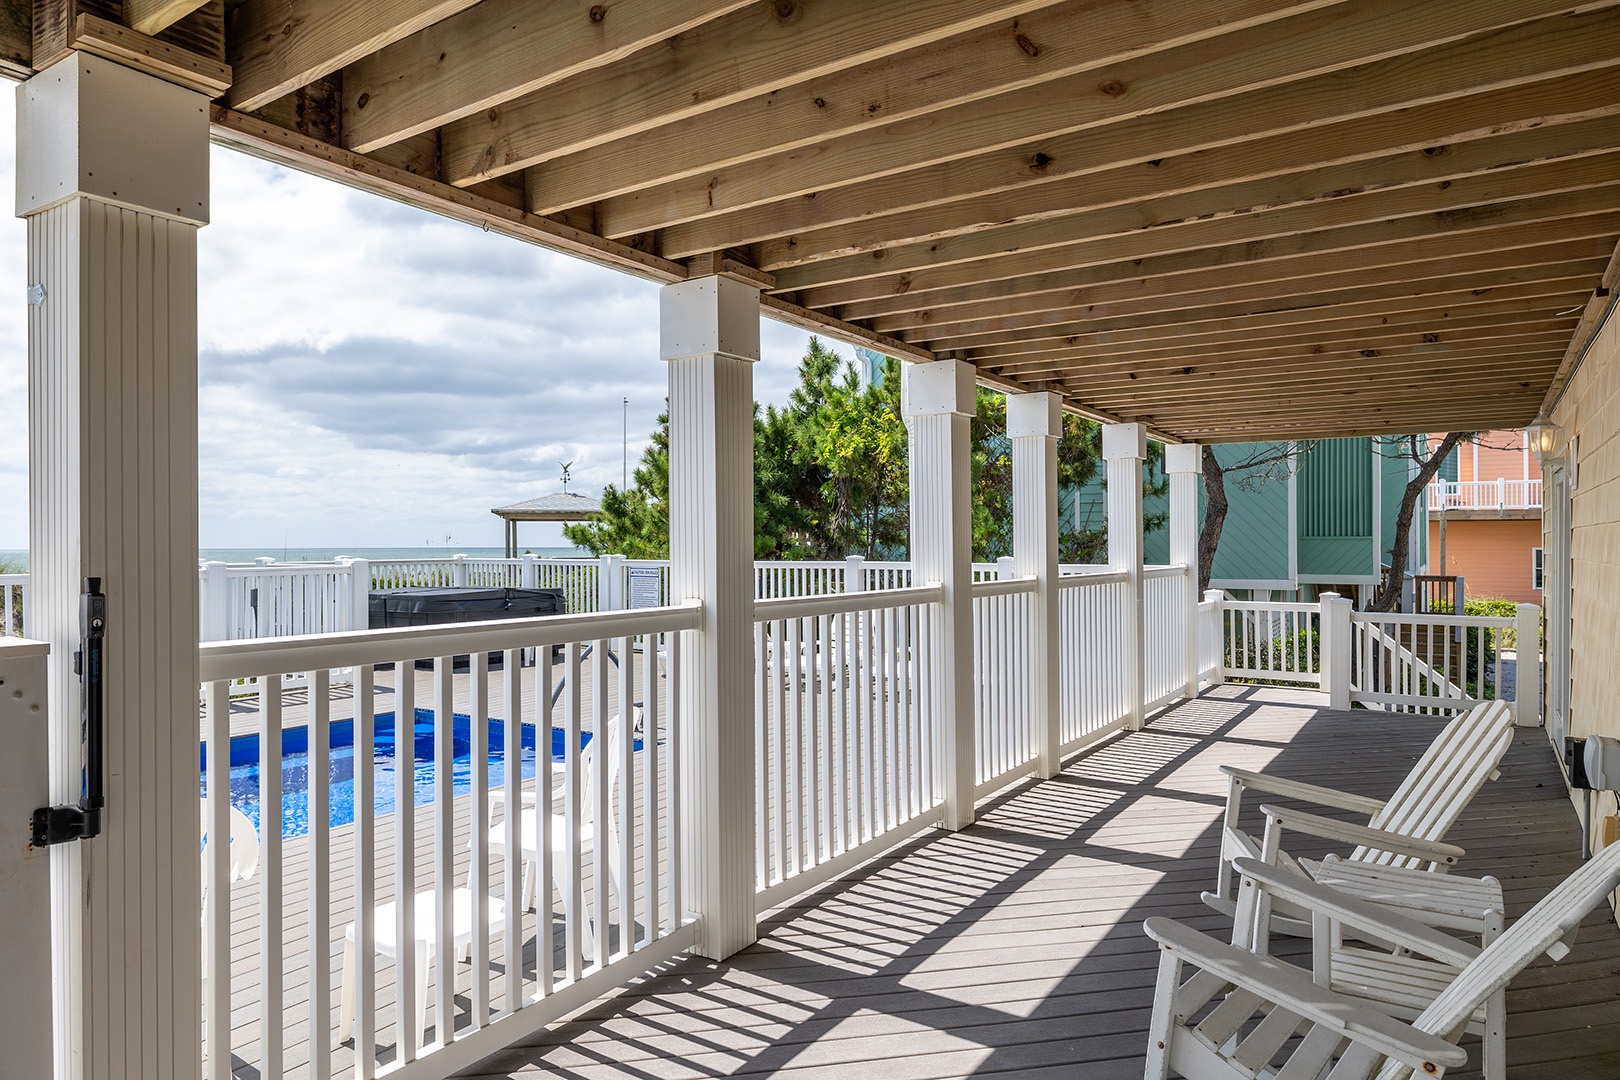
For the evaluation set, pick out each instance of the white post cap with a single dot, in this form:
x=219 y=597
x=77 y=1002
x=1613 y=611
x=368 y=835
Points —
x=1124 y=441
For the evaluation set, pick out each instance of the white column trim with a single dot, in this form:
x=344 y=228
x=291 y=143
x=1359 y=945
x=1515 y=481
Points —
x=1034 y=425
x=1124 y=449
x=939 y=400
x=1184 y=465
x=709 y=336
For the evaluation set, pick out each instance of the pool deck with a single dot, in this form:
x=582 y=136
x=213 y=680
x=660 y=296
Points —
x=1014 y=947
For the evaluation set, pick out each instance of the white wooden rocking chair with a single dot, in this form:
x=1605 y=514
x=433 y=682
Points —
x=1238 y=1015
x=1404 y=831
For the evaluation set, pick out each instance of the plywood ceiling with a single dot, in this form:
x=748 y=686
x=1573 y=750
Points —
x=1225 y=218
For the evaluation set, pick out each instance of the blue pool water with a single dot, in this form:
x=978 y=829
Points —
x=295 y=764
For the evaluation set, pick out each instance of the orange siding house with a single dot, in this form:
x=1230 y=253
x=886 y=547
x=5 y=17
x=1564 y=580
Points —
x=1489 y=495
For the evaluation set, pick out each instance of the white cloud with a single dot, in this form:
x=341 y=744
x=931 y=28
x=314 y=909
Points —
x=373 y=375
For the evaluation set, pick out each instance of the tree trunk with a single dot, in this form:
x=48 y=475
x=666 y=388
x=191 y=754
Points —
x=1389 y=595
x=1209 y=537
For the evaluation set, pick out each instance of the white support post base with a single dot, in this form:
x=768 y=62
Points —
x=1334 y=648
x=113 y=180
x=1184 y=464
x=710 y=338
x=1218 y=627
x=1527 y=664
x=1034 y=425
x=939 y=405
x=1125 y=448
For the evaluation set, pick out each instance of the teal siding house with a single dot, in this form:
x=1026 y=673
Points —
x=1307 y=528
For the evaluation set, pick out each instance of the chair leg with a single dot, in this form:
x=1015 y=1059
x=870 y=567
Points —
x=346 y=993
x=1159 y=1025
x=422 y=990
x=1494 y=1042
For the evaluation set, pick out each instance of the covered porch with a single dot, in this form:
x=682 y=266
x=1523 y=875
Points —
x=1193 y=222
x=1014 y=947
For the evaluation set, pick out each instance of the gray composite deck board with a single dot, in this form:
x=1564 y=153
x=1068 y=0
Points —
x=1015 y=947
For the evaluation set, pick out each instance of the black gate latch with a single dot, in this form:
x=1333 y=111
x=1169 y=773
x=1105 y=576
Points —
x=59 y=824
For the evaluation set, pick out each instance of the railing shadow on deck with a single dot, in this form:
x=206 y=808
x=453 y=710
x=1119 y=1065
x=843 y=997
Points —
x=1015 y=947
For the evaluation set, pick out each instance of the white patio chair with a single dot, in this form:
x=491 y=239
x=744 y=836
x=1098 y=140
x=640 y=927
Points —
x=1403 y=831
x=243 y=856
x=425 y=942
x=1201 y=1025
x=529 y=832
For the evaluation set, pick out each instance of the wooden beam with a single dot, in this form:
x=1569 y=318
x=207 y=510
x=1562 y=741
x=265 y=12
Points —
x=747 y=53
x=1270 y=176
x=16 y=39
x=1318 y=348
x=271 y=142
x=1346 y=416
x=1184 y=223
x=1413 y=365
x=1408 y=293
x=1060 y=130
x=1230 y=287
x=782 y=311
x=276 y=46
x=1066 y=38
x=1550 y=295
x=150 y=16
x=496 y=51
x=1188 y=272
x=119 y=43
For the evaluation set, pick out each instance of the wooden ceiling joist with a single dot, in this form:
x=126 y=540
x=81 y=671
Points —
x=740 y=55
x=890 y=171
x=1226 y=219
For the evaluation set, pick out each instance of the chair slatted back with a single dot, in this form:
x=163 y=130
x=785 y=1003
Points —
x=1444 y=781
x=1557 y=915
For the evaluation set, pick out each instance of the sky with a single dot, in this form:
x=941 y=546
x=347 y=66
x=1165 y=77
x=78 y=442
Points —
x=371 y=375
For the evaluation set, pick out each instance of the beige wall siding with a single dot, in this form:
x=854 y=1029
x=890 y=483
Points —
x=1590 y=413
x=1493 y=555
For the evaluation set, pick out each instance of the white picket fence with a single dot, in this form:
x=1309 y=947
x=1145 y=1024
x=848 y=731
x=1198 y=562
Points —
x=1426 y=663
x=1270 y=641
x=1002 y=637
x=1092 y=697
x=1498 y=494
x=13 y=604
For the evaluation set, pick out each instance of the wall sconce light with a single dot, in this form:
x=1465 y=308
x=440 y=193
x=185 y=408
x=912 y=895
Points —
x=1546 y=439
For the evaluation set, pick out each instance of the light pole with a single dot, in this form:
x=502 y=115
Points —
x=624 y=450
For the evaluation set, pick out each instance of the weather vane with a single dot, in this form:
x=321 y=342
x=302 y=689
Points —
x=566 y=467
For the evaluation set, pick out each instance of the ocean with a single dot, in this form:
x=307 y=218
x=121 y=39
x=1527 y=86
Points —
x=17 y=561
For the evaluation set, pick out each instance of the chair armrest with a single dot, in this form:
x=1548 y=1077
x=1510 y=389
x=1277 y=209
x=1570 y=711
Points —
x=1294 y=789
x=1328 y=829
x=1293 y=989
x=1390 y=926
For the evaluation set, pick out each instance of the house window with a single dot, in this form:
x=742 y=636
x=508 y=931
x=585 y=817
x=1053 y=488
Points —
x=1535 y=568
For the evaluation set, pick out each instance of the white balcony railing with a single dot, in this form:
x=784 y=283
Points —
x=1500 y=494
x=13 y=604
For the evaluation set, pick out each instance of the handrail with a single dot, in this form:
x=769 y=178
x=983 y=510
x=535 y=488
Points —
x=227 y=660
x=1078 y=581
x=1270 y=605
x=1492 y=621
x=1005 y=586
x=798 y=607
x=1175 y=570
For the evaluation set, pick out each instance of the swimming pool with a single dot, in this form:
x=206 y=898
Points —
x=295 y=766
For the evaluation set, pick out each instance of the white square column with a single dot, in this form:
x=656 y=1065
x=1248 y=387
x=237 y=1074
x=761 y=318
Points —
x=1034 y=425
x=939 y=405
x=709 y=334
x=112 y=176
x=1184 y=464
x=1125 y=448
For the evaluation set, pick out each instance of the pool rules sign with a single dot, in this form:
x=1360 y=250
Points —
x=645 y=585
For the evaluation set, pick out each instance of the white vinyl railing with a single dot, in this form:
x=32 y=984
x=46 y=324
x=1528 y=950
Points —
x=1005 y=727
x=270 y=599
x=845 y=758
x=1091 y=683
x=1267 y=641
x=1164 y=612
x=355 y=863
x=1425 y=663
x=1499 y=494
x=1211 y=646
x=13 y=605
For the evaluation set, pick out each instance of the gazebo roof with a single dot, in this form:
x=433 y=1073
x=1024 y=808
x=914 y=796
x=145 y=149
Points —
x=1279 y=218
x=558 y=506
